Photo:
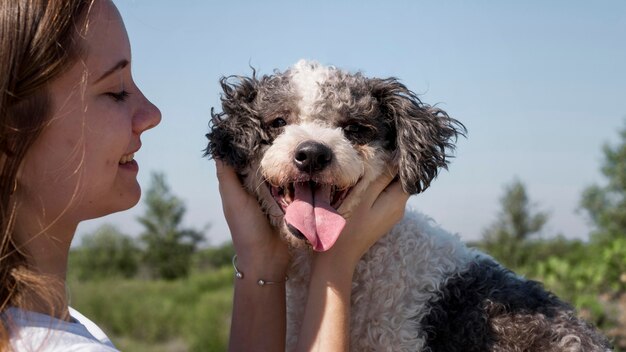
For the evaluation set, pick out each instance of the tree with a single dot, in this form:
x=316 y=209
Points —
x=507 y=239
x=606 y=205
x=105 y=253
x=169 y=246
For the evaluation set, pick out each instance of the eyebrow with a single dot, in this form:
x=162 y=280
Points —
x=120 y=65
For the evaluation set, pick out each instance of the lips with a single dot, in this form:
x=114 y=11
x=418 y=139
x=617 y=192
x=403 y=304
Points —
x=311 y=211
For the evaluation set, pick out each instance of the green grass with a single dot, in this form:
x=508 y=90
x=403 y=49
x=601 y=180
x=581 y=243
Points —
x=191 y=314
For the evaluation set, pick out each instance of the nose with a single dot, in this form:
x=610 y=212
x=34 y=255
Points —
x=146 y=116
x=312 y=156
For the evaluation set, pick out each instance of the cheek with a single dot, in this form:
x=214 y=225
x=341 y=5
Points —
x=103 y=151
x=77 y=155
x=56 y=155
x=108 y=136
x=51 y=178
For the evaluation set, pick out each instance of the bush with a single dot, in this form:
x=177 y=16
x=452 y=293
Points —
x=214 y=257
x=105 y=253
x=591 y=276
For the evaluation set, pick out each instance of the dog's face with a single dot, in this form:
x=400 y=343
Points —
x=309 y=141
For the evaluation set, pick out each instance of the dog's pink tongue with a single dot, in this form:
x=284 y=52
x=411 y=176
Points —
x=311 y=213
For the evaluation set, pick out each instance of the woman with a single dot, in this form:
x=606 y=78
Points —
x=71 y=122
x=71 y=118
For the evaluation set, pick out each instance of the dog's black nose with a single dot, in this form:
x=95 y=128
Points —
x=312 y=156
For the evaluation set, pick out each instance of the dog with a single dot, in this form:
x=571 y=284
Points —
x=308 y=141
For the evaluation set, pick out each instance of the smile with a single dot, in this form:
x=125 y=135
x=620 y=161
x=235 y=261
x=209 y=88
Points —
x=127 y=158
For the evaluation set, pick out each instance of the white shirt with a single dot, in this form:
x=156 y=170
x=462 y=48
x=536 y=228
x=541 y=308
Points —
x=35 y=332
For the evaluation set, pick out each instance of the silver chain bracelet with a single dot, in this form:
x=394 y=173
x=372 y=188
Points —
x=260 y=282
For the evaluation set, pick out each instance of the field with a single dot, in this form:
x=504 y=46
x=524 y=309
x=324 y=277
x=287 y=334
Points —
x=191 y=314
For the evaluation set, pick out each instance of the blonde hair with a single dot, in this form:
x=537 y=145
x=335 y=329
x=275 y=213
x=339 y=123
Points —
x=37 y=44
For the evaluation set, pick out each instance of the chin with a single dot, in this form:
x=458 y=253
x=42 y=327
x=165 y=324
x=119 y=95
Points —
x=122 y=199
x=308 y=142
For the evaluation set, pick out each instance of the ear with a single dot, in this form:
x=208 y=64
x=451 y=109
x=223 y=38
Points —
x=236 y=134
x=424 y=135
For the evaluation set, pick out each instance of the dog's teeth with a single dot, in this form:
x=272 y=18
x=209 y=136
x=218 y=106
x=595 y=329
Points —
x=288 y=194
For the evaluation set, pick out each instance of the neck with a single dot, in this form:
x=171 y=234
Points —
x=46 y=250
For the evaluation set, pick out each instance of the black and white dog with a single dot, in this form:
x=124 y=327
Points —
x=307 y=142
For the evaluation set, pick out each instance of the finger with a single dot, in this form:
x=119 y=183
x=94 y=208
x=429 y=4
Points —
x=228 y=180
x=377 y=186
x=226 y=175
x=394 y=193
x=392 y=202
x=223 y=170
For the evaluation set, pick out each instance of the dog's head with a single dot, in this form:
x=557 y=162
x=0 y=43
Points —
x=308 y=142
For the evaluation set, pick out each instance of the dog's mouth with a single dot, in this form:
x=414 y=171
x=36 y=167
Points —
x=311 y=211
x=285 y=195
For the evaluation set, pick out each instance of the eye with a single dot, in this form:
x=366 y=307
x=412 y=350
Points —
x=118 y=96
x=354 y=128
x=359 y=133
x=278 y=122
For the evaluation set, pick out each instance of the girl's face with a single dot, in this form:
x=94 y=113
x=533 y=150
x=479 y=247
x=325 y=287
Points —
x=82 y=166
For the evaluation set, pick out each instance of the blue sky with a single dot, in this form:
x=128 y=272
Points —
x=540 y=86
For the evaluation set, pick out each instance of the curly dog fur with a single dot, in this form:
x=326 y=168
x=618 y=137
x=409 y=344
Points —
x=325 y=133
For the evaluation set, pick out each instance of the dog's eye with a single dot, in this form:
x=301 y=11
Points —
x=358 y=133
x=279 y=122
x=354 y=128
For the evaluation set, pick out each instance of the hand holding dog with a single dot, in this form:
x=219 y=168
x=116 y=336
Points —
x=260 y=246
x=381 y=207
x=256 y=242
x=258 y=320
x=378 y=211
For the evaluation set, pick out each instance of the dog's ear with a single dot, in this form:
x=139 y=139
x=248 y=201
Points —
x=236 y=134
x=424 y=135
